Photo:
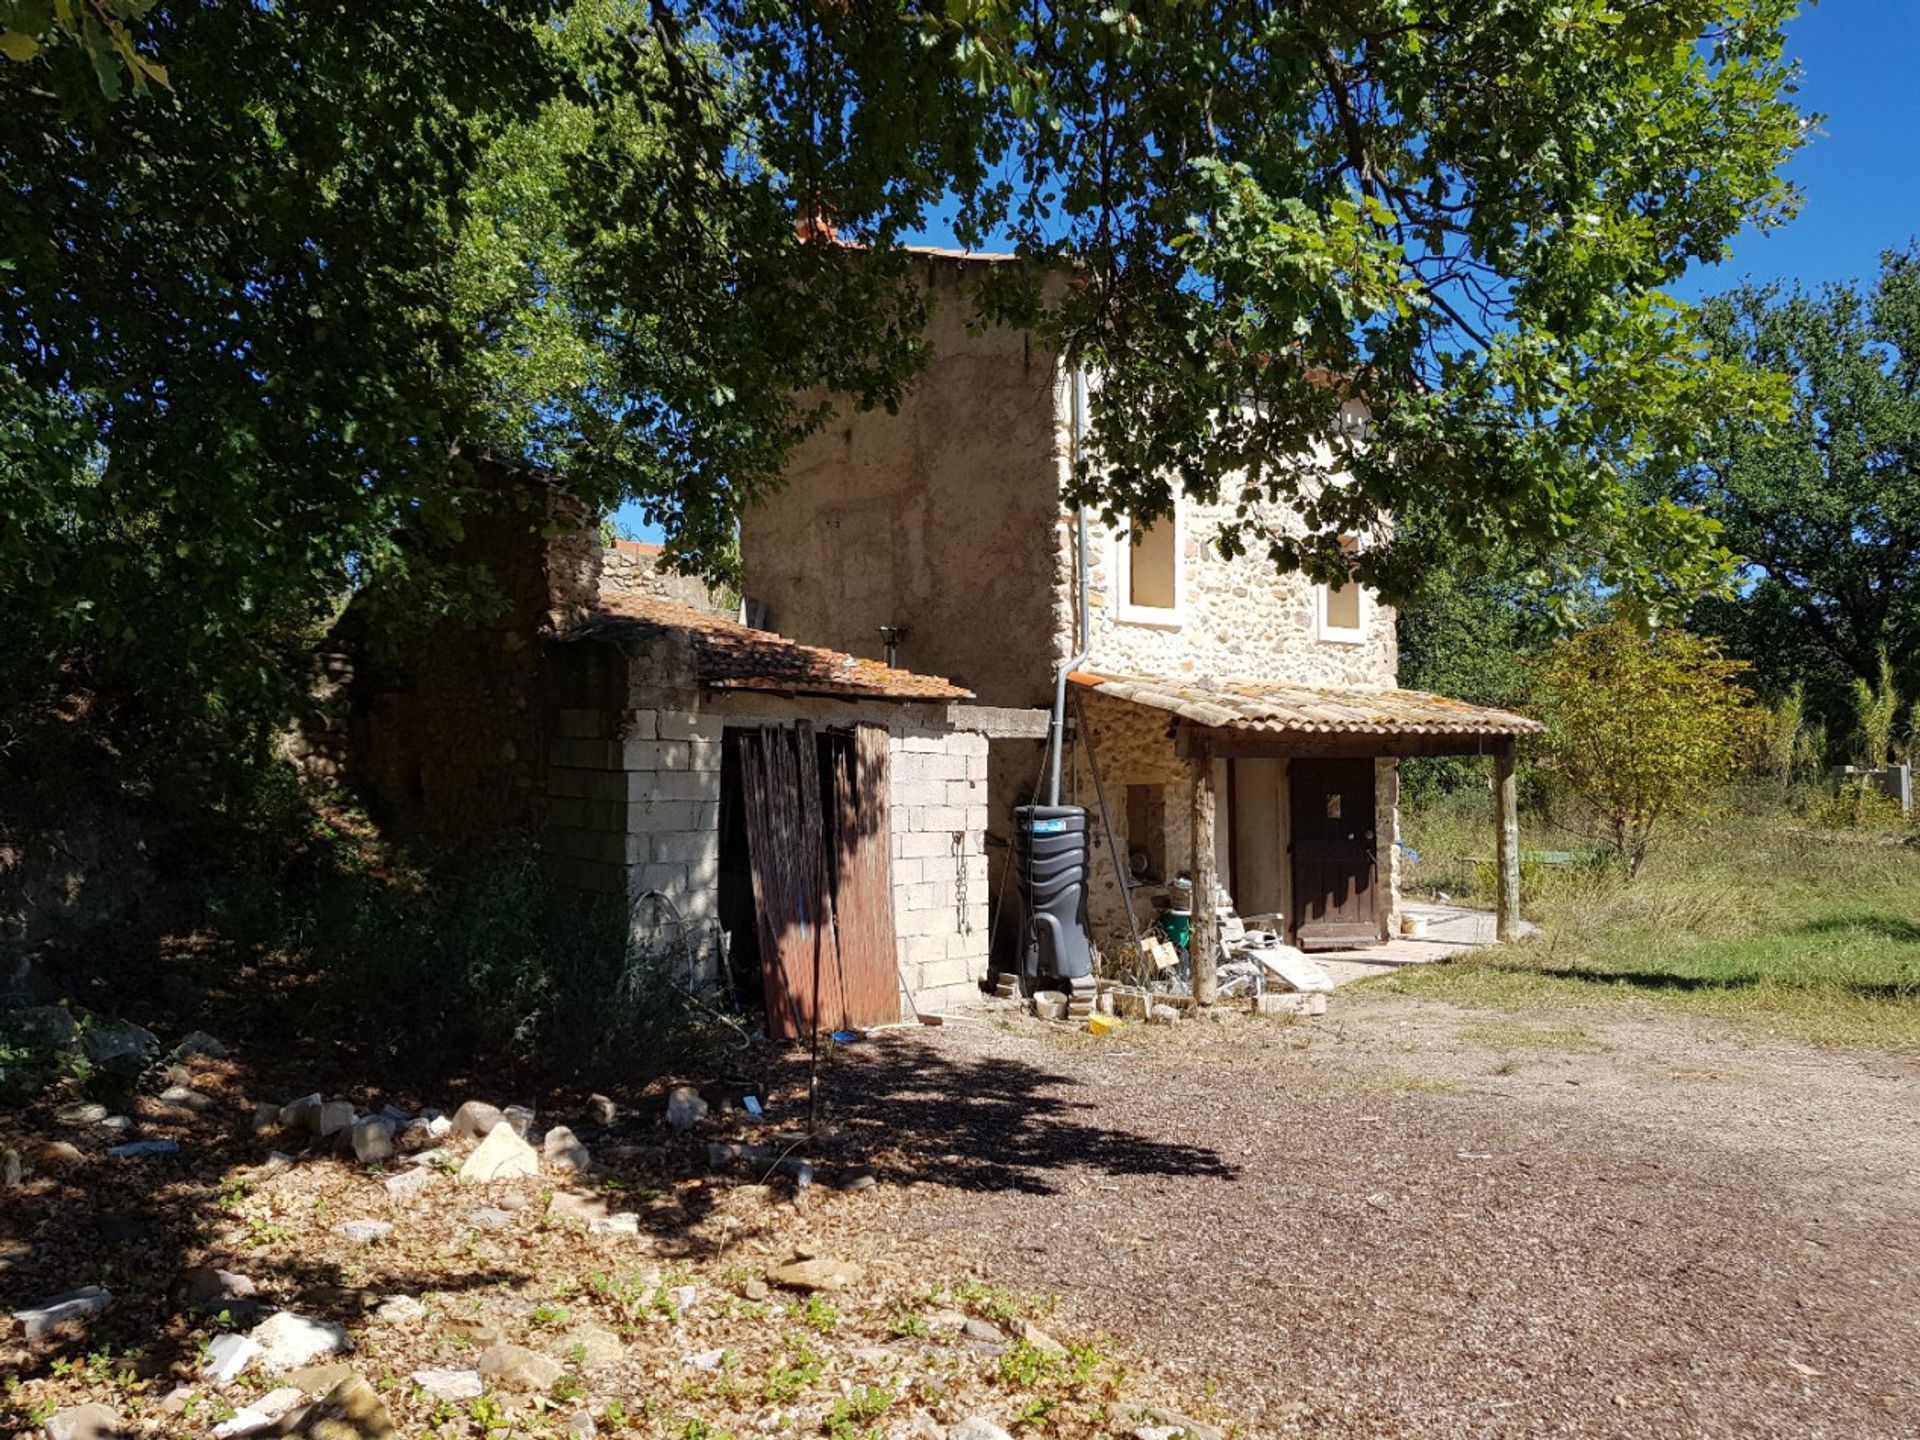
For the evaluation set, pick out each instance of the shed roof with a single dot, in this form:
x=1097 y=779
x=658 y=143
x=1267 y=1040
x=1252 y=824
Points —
x=730 y=656
x=1271 y=708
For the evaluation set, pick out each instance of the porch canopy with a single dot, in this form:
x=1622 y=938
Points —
x=1273 y=720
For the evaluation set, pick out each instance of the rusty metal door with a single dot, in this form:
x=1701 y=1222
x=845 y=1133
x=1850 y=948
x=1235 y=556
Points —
x=819 y=843
x=1335 y=904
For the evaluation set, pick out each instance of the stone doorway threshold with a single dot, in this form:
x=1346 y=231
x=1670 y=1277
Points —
x=1451 y=930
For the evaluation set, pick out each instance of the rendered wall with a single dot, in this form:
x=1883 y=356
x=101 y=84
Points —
x=942 y=518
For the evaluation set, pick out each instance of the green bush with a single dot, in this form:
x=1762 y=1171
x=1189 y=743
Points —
x=1857 y=804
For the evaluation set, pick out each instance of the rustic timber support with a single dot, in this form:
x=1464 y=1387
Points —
x=1204 y=943
x=1506 y=793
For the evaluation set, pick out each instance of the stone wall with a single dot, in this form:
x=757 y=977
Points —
x=632 y=567
x=1237 y=619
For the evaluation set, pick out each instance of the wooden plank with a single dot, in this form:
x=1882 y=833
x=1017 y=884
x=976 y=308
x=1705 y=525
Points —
x=869 y=976
x=1192 y=742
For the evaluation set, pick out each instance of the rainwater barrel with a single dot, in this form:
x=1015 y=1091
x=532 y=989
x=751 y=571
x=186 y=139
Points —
x=1050 y=864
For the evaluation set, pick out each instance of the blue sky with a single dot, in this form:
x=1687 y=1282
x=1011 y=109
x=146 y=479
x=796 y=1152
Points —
x=1858 y=173
x=1858 y=62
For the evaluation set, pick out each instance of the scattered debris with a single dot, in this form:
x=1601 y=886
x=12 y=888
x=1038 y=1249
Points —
x=135 y=1149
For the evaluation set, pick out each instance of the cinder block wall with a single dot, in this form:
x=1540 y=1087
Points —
x=940 y=913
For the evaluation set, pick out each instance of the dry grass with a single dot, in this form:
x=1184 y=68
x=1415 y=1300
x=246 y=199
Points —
x=1753 y=918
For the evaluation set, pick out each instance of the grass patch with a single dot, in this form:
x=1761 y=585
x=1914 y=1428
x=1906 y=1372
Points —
x=1755 y=918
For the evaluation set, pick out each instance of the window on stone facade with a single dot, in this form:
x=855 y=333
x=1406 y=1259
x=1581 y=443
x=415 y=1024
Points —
x=1343 y=608
x=1150 y=571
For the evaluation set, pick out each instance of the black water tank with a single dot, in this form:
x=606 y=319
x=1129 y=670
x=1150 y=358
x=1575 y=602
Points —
x=1050 y=859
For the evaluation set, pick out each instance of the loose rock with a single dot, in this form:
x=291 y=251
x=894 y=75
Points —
x=400 y=1310
x=476 y=1119
x=228 y=1356
x=409 y=1183
x=317 y=1380
x=300 y=1114
x=562 y=1148
x=118 y=1045
x=206 y=1289
x=580 y=1427
x=199 y=1042
x=350 y=1411
x=977 y=1429
x=181 y=1097
x=73 y=1307
x=503 y=1155
x=80 y=1112
x=364 y=1232
x=83 y=1422
x=57 y=1155
x=487 y=1217
x=603 y=1110
x=332 y=1118
x=450 y=1384
x=1175 y=1424
x=686 y=1107
x=136 y=1149
x=514 y=1367
x=288 y=1341
x=372 y=1139
x=819 y=1273
x=520 y=1117
x=1040 y=1339
x=625 y=1223
x=12 y=1171
x=599 y=1345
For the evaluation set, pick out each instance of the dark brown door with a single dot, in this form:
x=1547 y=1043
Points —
x=1334 y=865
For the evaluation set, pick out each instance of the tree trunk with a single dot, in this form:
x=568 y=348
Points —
x=1507 y=843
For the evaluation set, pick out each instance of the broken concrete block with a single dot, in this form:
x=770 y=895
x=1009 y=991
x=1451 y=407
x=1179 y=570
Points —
x=72 y=1307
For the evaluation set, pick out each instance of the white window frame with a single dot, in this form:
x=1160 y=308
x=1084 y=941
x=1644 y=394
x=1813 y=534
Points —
x=1343 y=634
x=1156 y=616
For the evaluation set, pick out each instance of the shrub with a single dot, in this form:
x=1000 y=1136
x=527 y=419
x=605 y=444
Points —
x=1643 y=727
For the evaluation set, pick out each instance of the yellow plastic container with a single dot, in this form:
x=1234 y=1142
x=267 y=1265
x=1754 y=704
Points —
x=1102 y=1024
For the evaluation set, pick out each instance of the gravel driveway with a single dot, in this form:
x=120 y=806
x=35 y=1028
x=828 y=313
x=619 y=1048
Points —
x=1417 y=1220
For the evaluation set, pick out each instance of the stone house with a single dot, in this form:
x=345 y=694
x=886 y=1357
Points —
x=797 y=826
x=1226 y=720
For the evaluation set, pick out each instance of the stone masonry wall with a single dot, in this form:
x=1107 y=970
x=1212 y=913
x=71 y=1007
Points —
x=630 y=567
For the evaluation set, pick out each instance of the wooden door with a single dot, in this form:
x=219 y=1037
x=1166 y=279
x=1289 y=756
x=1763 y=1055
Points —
x=1335 y=897
x=819 y=843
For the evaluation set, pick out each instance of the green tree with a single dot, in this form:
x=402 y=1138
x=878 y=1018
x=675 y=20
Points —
x=1642 y=727
x=1826 y=510
x=255 y=320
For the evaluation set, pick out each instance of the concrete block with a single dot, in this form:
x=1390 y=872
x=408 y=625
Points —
x=940 y=974
x=689 y=725
x=583 y=754
x=653 y=816
x=923 y=949
x=704 y=754
x=683 y=847
x=669 y=880
x=639 y=725
x=943 y=818
x=916 y=794
x=653 y=755
x=909 y=923
x=966 y=792
x=920 y=843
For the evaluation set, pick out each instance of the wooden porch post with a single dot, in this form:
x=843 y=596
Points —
x=1507 y=842
x=1204 y=942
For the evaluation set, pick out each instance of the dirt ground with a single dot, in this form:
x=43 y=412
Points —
x=1410 y=1219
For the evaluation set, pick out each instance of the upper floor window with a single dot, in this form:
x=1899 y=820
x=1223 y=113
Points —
x=1148 y=565
x=1342 y=609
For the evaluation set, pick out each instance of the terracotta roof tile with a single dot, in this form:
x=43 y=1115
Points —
x=732 y=656
x=1264 y=707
